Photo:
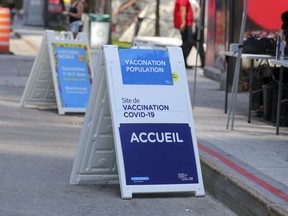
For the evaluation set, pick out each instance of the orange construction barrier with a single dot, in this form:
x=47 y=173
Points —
x=4 y=29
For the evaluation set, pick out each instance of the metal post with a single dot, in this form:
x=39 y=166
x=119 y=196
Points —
x=237 y=70
x=200 y=28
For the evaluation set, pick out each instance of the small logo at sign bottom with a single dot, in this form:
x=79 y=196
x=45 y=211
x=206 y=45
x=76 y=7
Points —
x=139 y=179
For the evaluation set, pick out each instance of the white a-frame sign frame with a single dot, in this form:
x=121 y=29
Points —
x=139 y=126
x=61 y=74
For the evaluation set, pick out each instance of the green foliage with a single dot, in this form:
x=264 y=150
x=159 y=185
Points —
x=121 y=44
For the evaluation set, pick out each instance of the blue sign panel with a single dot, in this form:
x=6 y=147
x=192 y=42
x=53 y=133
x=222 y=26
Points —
x=73 y=74
x=145 y=67
x=158 y=154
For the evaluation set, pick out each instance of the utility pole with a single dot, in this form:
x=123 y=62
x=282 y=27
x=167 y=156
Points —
x=157 y=21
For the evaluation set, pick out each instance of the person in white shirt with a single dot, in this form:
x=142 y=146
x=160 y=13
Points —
x=196 y=13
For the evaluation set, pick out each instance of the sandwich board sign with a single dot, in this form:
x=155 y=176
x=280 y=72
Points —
x=61 y=74
x=139 y=126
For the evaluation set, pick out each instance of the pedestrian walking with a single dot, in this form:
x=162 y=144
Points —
x=196 y=12
x=75 y=16
x=183 y=20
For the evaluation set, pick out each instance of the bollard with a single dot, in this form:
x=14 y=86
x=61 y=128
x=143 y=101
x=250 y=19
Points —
x=4 y=29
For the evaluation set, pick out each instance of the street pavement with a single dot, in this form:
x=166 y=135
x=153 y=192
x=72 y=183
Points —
x=245 y=168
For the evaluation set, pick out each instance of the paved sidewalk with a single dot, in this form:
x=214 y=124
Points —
x=251 y=154
x=246 y=168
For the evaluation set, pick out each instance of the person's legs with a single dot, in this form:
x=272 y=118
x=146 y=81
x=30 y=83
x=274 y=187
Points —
x=201 y=54
x=187 y=42
x=76 y=27
x=201 y=50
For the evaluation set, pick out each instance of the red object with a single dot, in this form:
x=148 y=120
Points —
x=267 y=13
x=4 y=29
x=177 y=13
x=54 y=1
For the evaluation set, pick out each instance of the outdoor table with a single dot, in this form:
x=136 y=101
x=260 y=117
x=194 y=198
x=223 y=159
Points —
x=252 y=57
x=282 y=63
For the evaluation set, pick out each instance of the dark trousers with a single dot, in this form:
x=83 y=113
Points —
x=201 y=50
x=187 y=42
